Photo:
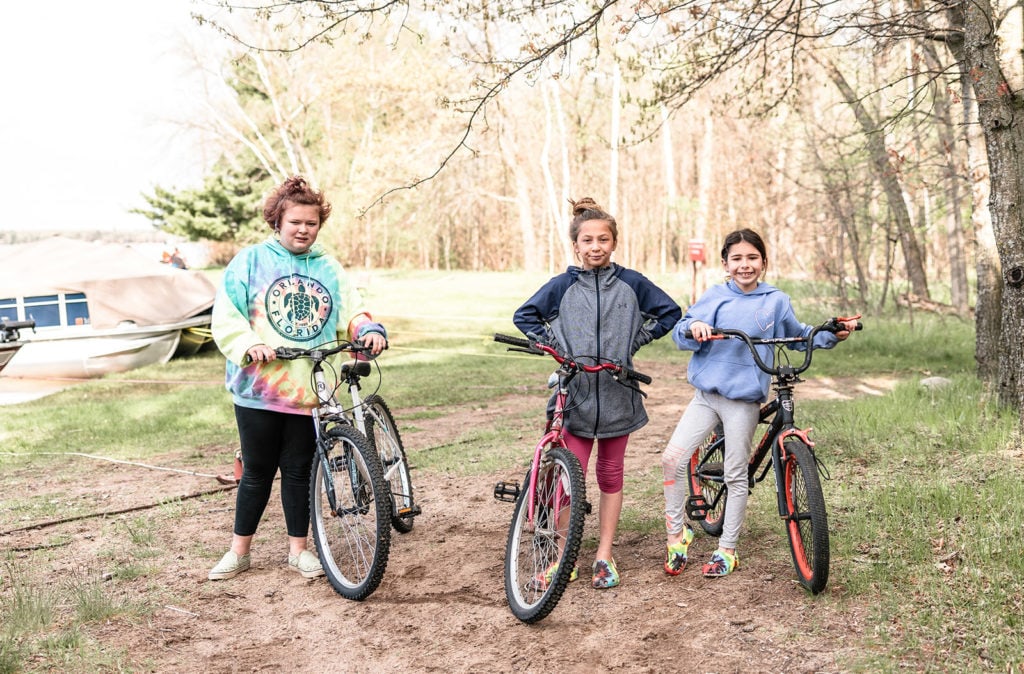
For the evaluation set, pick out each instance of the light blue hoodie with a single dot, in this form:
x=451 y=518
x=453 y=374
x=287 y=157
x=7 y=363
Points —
x=725 y=366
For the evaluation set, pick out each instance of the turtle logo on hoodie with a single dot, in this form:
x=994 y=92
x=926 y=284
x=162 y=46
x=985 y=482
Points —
x=298 y=307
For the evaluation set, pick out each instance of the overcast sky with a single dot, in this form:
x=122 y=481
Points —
x=90 y=94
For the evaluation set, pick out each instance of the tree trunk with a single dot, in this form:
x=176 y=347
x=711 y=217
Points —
x=523 y=199
x=559 y=246
x=1004 y=141
x=668 y=224
x=987 y=317
x=959 y=293
x=613 y=159
x=886 y=174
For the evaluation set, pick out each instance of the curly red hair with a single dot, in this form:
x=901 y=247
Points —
x=295 y=190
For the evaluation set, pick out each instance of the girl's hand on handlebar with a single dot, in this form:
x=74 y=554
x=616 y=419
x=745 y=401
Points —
x=261 y=353
x=374 y=341
x=848 y=327
x=700 y=330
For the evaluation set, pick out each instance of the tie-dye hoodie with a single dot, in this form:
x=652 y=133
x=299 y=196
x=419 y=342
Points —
x=274 y=297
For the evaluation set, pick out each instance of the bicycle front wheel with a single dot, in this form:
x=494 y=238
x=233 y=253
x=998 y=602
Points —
x=706 y=478
x=541 y=553
x=806 y=522
x=350 y=513
x=382 y=431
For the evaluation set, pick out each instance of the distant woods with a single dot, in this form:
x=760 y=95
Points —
x=852 y=162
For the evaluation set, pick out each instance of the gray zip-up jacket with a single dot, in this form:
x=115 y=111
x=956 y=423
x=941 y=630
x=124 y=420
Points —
x=600 y=315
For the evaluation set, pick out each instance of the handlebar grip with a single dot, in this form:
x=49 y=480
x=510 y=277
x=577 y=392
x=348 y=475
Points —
x=17 y=325
x=514 y=341
x=288 y=353
x=715 y=334
x=639 y=376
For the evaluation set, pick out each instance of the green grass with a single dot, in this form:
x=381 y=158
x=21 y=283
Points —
x=925 y=504
x=924 y=501
x=44 y=620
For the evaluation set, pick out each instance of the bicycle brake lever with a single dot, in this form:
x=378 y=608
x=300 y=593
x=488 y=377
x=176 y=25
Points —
x=630 y=384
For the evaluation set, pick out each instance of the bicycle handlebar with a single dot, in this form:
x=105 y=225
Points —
x=540 y=348
x=16 y=325
x=9 y=330
x=832 y=325
x=318 y=353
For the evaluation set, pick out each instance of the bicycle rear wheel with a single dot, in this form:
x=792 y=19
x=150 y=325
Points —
x=806 y=522
x=706 y=478
x=382 y=433
x=552 y=537
x=350 y=513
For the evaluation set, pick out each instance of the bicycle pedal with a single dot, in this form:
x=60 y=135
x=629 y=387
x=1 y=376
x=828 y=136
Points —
x=410 y=512
x=507 y=491
x=696 y=508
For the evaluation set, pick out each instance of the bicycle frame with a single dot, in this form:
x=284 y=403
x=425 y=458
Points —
x=352 y=372
x=555 y=435
x=329 y=411
x=326 y=412
x=778 y=414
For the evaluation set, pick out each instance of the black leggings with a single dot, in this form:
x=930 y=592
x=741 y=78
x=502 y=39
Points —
x=272 y=441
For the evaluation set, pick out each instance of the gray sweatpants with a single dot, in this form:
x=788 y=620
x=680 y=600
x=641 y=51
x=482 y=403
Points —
x=739 y=419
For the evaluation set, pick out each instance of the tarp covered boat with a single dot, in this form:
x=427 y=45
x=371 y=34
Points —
x=98 y=307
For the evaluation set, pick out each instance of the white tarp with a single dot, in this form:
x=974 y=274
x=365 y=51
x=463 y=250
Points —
x=119 y=283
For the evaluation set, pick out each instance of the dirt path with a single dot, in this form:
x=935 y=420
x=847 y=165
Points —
x=441 y=606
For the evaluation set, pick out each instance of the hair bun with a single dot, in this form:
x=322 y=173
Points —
x=584 y=204
x=295 y=184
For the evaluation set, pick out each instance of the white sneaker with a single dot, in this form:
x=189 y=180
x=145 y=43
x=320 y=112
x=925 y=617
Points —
x=229 y=566
x=306 y=564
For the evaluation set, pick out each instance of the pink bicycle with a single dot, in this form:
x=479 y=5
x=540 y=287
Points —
x=547 y=524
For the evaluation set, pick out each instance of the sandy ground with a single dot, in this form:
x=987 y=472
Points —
x=441 y=606
x=14 y=390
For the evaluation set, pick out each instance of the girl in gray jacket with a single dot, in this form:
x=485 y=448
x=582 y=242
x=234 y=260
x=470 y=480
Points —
x=599 y=312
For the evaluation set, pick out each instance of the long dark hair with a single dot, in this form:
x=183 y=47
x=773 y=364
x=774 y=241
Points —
x=748 y=235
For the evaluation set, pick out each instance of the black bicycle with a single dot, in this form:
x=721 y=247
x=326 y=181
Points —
x=801 y=502
x=349 y=501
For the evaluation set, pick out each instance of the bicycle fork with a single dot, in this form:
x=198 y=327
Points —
x=779 y=458
x=328 y=474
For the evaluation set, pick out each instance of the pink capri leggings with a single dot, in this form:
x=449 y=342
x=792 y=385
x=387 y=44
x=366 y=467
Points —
x=611 y=456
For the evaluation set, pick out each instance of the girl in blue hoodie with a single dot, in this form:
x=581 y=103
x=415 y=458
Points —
x=286 y=291
x=730 y=389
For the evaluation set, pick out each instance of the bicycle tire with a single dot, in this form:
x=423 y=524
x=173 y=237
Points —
x=354 y=540
x=706 y=479
x=382 y=432
x=533 y=547
x=806 y=520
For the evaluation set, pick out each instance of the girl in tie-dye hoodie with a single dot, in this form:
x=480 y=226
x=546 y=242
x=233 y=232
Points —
x=286 y=291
